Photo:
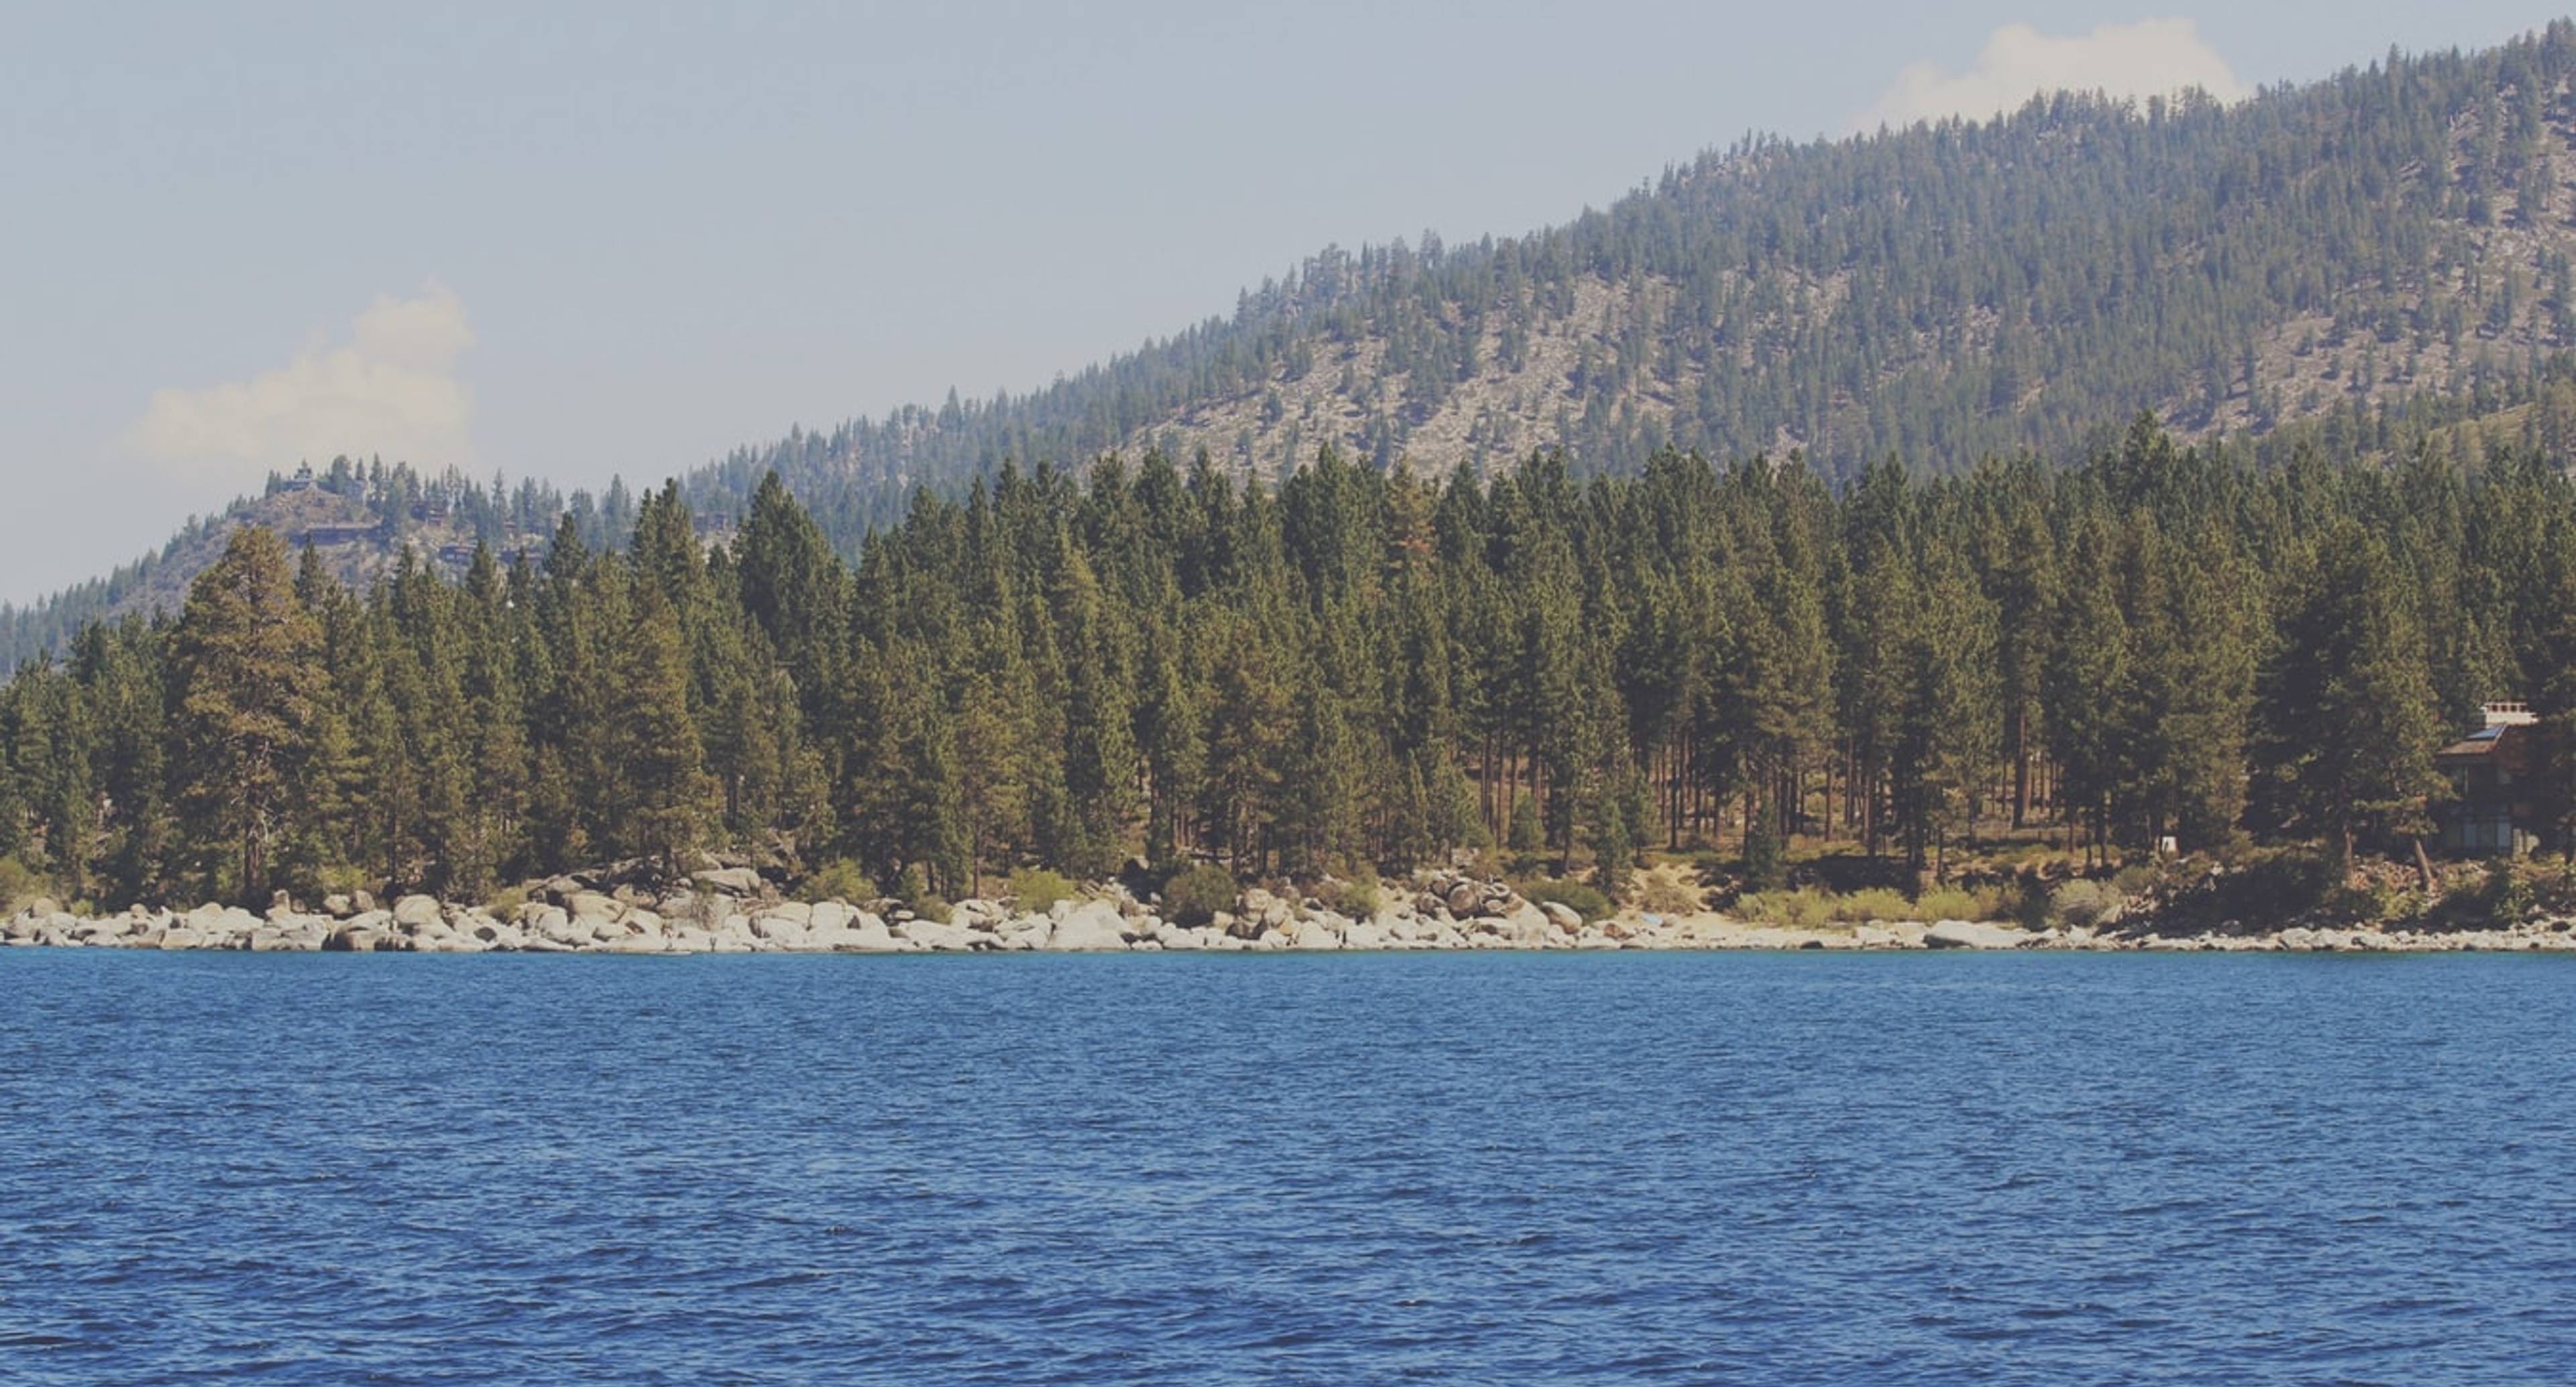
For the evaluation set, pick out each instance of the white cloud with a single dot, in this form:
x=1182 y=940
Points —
x=2154 y=57
x=391 y=389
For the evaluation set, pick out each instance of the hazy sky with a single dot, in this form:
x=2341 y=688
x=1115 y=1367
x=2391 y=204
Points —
x=575 y=239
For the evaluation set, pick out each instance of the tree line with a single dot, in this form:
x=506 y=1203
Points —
x=1356 y=668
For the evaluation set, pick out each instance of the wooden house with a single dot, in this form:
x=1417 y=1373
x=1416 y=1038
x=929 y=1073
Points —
x=2494 y=775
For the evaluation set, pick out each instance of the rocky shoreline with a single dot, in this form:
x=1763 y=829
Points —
x=733 y=911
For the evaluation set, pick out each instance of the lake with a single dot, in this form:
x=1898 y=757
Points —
x=1475 y=1168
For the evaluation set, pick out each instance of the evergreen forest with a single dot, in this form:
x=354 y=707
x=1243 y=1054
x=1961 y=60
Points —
x=1355 y=668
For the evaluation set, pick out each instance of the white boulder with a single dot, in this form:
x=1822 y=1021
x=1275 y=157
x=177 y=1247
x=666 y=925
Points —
x=1972 y=934
x=1092 y=926
x=931 y=934
x=1313 y=934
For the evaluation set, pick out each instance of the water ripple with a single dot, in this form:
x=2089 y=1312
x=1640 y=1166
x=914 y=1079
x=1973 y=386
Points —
x=1408 y=1168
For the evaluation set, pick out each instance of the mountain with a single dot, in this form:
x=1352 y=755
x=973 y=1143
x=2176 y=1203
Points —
x=1938 y=294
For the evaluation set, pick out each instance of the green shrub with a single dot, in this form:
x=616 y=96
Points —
x=1357 y=898
x=1807 y=908
x=1194 y=896
x=2504 y=898
x=1660 y=894
x=1766 y=854
x=1574 y=895
x=19 y=884
x=2025 y=854
x=1525 y=834
x=2136 y=879
x=1872 y=903
x=338 y=879
x=912 y=887
x=504 y=903
x=1476 y=836
x=1813 y=907
x=2279 y=882
x=2082 y=904
x=1035 y=890
x=1481 y=864
x=2398 y=904
x=2352 y=903
x=1979 y=903
x=838 y=881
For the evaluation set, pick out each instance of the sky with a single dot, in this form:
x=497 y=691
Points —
x=579 y=239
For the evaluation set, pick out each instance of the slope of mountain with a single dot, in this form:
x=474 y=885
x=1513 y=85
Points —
x=359 y=518
x=1939 y=293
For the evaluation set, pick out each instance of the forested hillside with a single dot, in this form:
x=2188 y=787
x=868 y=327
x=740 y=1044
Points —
x=1357 y=669
x=359 y=517
x=1940 y=294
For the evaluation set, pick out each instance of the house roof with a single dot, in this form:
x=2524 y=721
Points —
x=2481 y=744
x=2487 y=741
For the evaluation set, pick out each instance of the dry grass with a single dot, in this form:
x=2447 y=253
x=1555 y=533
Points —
x=1669 y=888
x=1814 y=908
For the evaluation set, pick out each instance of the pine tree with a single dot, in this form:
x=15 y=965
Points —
x=495 y=747
x=1945 y=743
x=245 y=680
x=425 y=682
x=2022 y=583
x=1318 y=822
x=1171 y=738
x=661 y=784
x=2086 y=677
x=1250 y=719
x=2215 y=592
x=2350 y=728
x=329 y=811
x=1100 y=762
x=121 y=670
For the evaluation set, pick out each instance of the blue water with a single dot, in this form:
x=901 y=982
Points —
x=1152 y=1169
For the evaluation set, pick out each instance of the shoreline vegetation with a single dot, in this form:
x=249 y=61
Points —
x=736 y=910
x=2145 y=697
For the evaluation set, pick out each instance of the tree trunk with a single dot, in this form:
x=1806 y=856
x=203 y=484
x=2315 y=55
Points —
x=2021 y=768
